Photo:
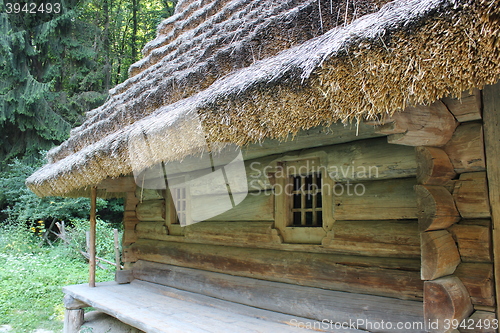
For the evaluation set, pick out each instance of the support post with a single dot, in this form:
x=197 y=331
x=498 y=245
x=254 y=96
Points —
x=74 y=314
x=117 y=250
x=93 y=198
x=491 y=127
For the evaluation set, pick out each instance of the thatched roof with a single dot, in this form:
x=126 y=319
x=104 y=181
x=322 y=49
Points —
x=251 y=70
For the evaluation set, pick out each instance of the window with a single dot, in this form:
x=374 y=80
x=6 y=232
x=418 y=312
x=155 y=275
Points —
x=303 y=201
x=180 y=204
x=177 y=209
x=307 y=201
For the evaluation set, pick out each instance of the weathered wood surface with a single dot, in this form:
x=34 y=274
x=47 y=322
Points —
x=119 y=184
x=370 y=159
x=467 y=107
x=391 y=238
x=478 y=279
x=433 y=166
x=124 y=276
x=151 y=210
x=471 y=195
x=474 y=240
x=130 y=201
x=73 y=320
x=440 y=255
x=375 y=200
x=157 y=309
x=230 y=233
x=431 y=125
x=92 y=236
x=491 y=101
x=70 y=303
x=435 y=208
x=152 y=230
x=446 y=298
x=465 y=149
x=480 y=322
x=129 y=222
x=392 y=277
x=315 y=137
x=360 y=160
x=144 y=194
x=281 y=297
x=255 y=207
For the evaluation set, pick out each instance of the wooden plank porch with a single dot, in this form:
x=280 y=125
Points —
x=155 y=308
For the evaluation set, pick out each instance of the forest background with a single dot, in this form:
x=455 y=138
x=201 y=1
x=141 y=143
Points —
x=54 y=67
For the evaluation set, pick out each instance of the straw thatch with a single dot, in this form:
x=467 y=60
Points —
x=251 y=70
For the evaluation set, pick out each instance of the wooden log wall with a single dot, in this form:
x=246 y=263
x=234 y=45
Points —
x=420 y=231
x=372 y=248
x=454 y=216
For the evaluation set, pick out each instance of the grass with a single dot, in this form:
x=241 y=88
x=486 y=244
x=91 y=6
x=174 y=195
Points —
x=31 y=279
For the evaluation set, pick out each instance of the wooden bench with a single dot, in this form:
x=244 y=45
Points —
x=165 y=298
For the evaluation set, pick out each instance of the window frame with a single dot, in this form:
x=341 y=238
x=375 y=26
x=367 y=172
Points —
x=171 y=218
x=284 y=202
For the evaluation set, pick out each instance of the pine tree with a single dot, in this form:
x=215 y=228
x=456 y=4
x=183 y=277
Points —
x=48 y=79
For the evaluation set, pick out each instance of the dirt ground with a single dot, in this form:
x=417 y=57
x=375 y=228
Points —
x=98 y=322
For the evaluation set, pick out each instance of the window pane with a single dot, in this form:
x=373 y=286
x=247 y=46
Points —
x=296 y=219
x=319 y=218
x=319 y=200
x=296 y=200
x=309 y=218
x=309 y=183
x=296 y=183
x=309 y=200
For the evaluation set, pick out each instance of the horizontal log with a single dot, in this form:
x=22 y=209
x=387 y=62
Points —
x=480 y=322
x=436 y=208
x=230 y=233
x=315 y=137
x=391 y=238
x=297 y=300
x=151 y=210
x=255 y=207
x=440 y=255
x=471 y=195
x=119 y=184
x=370 y=159
x=375 y=200
x=431 y=125
x=144 y=194
x=151 y=230
x=129 y=220
x=466 y=148
x=391 y=277
x=433 y=166
x=467 y=107
x=71 y=303
x=360 y=160
x=474 y=240
x=445 y=299
x=479 y=281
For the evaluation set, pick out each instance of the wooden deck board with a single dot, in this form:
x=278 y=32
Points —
x=140 y=305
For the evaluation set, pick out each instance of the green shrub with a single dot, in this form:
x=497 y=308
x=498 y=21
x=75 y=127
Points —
x=31 y=278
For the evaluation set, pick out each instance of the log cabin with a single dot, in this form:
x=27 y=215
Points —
x=367 y=197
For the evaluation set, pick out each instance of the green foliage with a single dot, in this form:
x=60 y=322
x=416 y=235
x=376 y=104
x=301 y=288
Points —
x=22 y=205
x=31 y=278
x=104 y=238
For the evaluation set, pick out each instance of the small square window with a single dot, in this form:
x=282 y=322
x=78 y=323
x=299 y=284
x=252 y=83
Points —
x=306 y=205
x=303 y=207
